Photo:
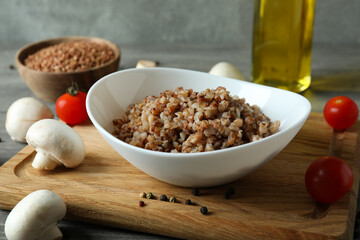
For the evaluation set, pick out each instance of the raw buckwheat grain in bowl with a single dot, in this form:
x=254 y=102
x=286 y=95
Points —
x=187 y=121
x=70 y=56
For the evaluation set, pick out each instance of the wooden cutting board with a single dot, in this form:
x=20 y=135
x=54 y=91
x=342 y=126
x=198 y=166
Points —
x=271 y=203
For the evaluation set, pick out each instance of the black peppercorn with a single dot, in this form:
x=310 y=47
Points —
x=141 y=203
x=172 y=199
x=229 y=192
x=188 y=202
x=163 y=198
x=204 y=210
x=227 y=195
x=196 y=192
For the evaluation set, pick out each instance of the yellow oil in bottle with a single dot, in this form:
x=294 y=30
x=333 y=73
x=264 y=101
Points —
x=282 y=42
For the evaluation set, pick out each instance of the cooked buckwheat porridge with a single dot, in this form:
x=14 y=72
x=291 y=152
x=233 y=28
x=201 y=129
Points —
x=187 y=121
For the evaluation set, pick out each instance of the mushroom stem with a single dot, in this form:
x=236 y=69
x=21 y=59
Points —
x=53 y=233
x=43 y=160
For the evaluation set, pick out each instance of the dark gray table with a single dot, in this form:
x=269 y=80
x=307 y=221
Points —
x=335 y=71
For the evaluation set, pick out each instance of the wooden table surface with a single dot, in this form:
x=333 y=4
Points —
x=335 y=71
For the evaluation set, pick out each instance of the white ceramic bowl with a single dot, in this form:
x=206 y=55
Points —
x=110 y=96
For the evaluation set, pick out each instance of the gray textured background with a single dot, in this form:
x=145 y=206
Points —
x=192 y=34
x=153 y=22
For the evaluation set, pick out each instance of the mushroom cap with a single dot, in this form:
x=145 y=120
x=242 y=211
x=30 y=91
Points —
x=58 y=140
x=34 y=214
x=22 y=114
x=226 y=69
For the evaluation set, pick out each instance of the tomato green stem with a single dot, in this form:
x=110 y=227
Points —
x=74 y=89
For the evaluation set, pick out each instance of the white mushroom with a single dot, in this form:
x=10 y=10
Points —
x=55 y=143
x=22 y=114
x=36 y=217
x=226 y=69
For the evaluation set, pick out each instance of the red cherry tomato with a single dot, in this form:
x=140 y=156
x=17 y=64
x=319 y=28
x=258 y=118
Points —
x=341 y=112
x=70 y=107
x=328 y=179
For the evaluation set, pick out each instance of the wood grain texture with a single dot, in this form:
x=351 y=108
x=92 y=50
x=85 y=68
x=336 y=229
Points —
x=271 y=203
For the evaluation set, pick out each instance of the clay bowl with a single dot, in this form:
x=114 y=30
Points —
x=49 y=86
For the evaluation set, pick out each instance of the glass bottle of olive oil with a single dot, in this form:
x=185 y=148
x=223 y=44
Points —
x=282 y=41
